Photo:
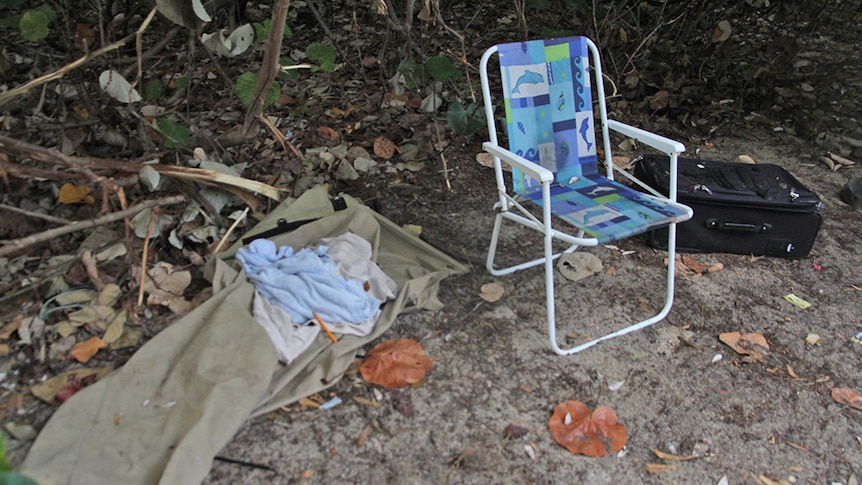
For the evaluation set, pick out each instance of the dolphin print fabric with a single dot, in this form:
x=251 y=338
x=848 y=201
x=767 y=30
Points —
x=549 y=113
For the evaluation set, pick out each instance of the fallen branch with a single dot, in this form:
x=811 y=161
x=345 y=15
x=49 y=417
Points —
x=86 y=164
x=18 y=244
x=55 y=220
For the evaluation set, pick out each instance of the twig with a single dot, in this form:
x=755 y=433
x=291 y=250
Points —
x=26 y=87
x=144 y=259
x=325 y=28
x=85 y=165
x=230 y=230
x=18 y=244
x=443 y=157
x=149 y=53
x=35 y=152
x=88 y=259
x=55 y=220
x=139 y=49
x=244 y=463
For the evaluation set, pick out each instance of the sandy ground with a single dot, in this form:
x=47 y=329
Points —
x=746 y=421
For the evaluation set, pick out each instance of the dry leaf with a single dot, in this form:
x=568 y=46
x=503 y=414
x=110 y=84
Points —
x=485 y=159
x=164 y=285
x=491 y=292
x=395 y=363
x=751 y=344
x=791 y=372
x=654 y=468
x=578 y=265
x=308 y=403
x=384 y=148
x=691 y=263
x=660 y=99
x=363 y=436
x=115 y=329
x=48 y=389
x=85 y=38
x=586 y=432
x=841 y=160
x=75 y=194
x=11 y=327
x=669 y=457
x=366 y=402
x=110 y=294
x=721 y=32
x=83 y=351
x=846 y=396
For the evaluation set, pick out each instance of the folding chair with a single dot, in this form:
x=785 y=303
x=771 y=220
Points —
x=547 y=90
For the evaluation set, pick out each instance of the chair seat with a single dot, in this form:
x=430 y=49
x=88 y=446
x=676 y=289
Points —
x=606 y=209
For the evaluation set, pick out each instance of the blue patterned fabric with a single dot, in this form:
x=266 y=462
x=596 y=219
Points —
x=549 y=113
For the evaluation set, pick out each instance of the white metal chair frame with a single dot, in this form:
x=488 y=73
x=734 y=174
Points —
x=507 y=201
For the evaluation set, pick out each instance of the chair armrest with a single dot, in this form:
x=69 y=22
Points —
x=532 y=169
x=656 y=141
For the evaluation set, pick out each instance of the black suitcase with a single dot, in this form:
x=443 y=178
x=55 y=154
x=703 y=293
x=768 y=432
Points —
x=738 y=208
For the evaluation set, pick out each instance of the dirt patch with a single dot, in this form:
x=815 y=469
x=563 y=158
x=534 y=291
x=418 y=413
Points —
x=493 y=368
x=741 y=420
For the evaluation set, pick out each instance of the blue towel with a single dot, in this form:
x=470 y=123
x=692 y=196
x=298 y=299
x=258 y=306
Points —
x=304 y=282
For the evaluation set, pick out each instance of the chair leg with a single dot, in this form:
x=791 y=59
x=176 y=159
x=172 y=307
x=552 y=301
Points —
x=669 y=291
x=495 y=238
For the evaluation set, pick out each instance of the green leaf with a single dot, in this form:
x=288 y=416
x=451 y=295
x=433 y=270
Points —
x=244 y=88
x=414 y=75
x=273 y=94
x=323 y=55
x=441 y=68
x=154 y=89
x=47 y=10
x=34 y=25
x=175 y=135
x=465 y=120
x=289 y=74
x=181 y=82
x=261 y=30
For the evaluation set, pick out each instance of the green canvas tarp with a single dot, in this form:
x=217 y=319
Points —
x=164 y=415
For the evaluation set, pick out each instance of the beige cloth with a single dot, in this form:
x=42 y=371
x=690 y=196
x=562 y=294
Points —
x=166 y=413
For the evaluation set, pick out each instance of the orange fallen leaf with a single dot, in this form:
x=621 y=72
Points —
x=847 y=396
x=395 y=363
x=83 y=351
x=85 y=38
x=328 y=133
x=751 y=344
x=75 y=194
x=587 y=432
x=384 y=148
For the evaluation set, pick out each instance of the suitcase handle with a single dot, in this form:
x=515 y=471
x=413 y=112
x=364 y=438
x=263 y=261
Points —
x=736 y=226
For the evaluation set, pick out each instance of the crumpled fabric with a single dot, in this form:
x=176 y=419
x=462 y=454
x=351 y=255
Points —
x=348 y=256
x=305 y=282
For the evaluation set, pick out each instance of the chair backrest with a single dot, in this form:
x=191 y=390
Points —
x=549 y=108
